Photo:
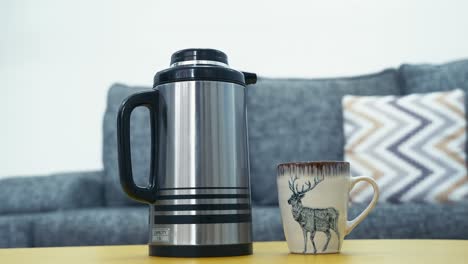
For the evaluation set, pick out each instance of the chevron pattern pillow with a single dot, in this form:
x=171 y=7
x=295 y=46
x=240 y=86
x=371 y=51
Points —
x=413 y=146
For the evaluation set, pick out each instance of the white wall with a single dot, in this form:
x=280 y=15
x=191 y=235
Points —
x=57 y=58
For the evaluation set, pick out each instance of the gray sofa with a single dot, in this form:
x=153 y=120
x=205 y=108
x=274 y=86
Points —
x=289 y=119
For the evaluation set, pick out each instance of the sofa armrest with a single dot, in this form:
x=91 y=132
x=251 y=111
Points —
x=59 y=191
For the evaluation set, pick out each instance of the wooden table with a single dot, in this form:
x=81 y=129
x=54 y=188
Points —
x=354 y=251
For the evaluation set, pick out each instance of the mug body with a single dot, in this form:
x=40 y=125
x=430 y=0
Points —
x=313 y=199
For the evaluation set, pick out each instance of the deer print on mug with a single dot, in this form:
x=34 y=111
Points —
x=315 y=195
x=312 y=220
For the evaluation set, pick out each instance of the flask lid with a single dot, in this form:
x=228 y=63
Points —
x=202 y=65
x=202 y=56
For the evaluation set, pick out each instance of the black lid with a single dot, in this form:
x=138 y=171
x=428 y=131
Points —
x=202 y=71
x=199 y=54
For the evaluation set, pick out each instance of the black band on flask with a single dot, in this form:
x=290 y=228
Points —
x=201 y=251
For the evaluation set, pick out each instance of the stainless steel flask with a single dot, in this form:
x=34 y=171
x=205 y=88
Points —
x=198 y=191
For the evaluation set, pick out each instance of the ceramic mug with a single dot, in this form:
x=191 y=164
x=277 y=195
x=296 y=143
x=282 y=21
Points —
x=313 y=199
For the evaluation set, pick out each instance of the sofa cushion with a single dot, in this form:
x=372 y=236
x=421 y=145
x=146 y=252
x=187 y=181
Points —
x=266 y=223
x=94 y=226
x=421 y=78
x=47 y=193
x=413 y=146
x=301 y=120
x=16 y=230
x=139 y=139
x=129 y=225
x=386 y=221
x=120 y=225
x=412 y=221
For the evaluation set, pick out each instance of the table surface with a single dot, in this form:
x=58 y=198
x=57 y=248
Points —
x=354 y=251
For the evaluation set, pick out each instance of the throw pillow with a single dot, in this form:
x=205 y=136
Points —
x=413 y=146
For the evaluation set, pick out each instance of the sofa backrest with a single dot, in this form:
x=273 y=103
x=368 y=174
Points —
x=288 y=119
x=301 y=120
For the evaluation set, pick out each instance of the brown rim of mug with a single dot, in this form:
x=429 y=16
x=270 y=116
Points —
x=313 y=163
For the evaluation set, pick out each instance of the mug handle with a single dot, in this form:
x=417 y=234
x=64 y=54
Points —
x=350 y=225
